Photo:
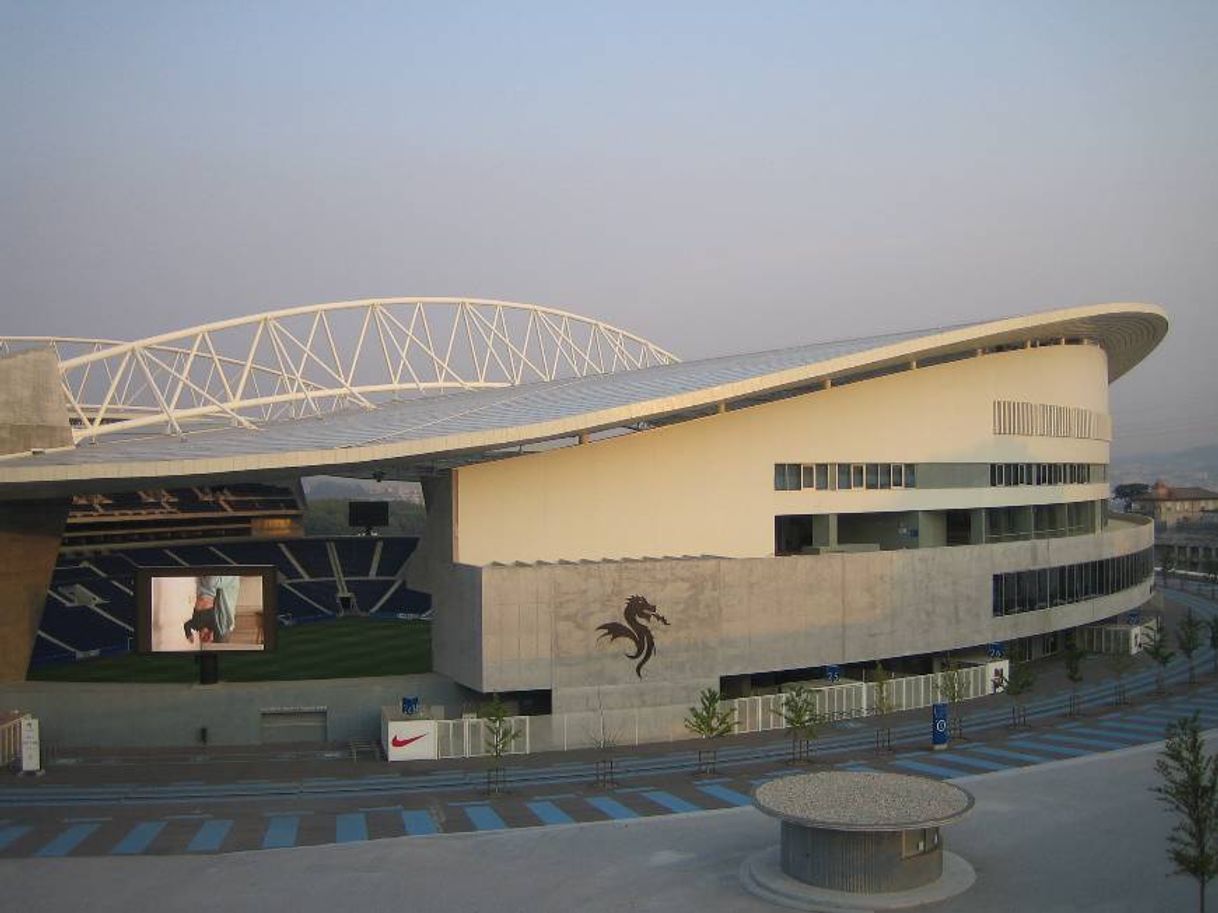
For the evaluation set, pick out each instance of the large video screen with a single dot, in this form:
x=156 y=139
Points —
x=215 y=609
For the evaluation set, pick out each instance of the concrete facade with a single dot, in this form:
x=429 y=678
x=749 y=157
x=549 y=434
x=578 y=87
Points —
x=32 y=416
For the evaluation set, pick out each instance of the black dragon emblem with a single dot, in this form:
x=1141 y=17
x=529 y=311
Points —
x=638 y=611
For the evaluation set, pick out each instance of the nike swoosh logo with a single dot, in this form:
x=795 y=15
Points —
x=402 y=743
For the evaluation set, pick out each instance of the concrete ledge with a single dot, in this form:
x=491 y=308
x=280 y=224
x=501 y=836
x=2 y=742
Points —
x=762 y=876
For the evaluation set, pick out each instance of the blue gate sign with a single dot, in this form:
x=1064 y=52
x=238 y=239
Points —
x=833 y=673
x=994 y=651
x=1134 y=617
x=938 y=730
x=410 y=706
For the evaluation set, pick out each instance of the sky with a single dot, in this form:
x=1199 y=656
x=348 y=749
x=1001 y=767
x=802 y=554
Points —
x=715 y=177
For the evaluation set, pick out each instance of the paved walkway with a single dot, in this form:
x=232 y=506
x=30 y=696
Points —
x=122 y=810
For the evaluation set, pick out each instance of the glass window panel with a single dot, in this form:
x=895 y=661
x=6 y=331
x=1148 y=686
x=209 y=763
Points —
x=843 y=475
x=898 y=475
x=885 y=475
x=856 y=475
x=809 y=476
x=822 y=476
x=873 y=475
x=911 y=476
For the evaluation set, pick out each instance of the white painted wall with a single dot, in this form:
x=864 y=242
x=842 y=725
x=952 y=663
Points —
x=706 y=486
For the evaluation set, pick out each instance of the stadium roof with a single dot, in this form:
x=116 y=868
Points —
x=411 y=438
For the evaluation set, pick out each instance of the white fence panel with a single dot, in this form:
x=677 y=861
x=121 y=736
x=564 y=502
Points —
x=466 y=738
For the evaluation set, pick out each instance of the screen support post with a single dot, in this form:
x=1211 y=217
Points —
x=209 y=668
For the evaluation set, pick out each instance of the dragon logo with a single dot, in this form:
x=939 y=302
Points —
x=638 y=611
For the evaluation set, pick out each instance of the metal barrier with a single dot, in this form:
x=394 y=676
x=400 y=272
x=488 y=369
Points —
x=851 y=700
x=10 y=738
x=466 y=738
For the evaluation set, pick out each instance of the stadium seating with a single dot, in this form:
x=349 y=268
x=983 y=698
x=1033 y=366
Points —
x=91 y=607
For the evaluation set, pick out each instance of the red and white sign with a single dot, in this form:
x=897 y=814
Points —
x=409 y=740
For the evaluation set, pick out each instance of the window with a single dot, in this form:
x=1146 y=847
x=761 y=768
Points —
x=856 y=475
x=843 y=476
x=911 y=479
x=1025 y=591
x=873 y=475
x=898 y=475
x=809 y=477
x=885 y=475
x=786 y=476
x=822 y=476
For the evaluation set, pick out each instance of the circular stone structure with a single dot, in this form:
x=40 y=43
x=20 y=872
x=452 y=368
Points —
x=863 y=833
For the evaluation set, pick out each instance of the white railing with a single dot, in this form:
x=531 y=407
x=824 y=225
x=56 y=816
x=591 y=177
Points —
x=849 y=700
x=10 y=739
x=467 y=738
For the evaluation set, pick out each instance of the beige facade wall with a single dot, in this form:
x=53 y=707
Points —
x=705 y=487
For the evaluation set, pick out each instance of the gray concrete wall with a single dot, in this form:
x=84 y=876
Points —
x=125 y=715
x=740 y=616
x=32 y=414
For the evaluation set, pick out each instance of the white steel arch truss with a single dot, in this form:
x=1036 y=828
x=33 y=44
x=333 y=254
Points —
x=319 y=358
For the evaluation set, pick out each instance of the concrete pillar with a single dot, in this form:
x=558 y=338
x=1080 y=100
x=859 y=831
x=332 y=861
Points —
x=32 y=416
x=30 y=533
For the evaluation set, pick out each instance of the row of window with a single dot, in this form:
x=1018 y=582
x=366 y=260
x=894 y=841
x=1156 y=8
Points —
x=1040 y=474
x=1049 y=420
x=1027 y=591
x=843 y=476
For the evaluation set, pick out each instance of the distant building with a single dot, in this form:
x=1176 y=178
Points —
x=1169 y=506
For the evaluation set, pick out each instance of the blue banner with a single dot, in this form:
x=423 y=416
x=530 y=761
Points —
x=938 y=731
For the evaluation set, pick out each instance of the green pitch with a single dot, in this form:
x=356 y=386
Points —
x=344 y=648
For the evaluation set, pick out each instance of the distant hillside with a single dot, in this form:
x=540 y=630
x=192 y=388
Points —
x=1194 y=466
x=332 y=488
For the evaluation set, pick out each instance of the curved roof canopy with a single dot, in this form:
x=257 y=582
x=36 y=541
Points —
x=410 y=438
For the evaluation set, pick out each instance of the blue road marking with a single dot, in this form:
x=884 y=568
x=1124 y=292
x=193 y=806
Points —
x=1009 y=755
x=724 y=794
x=611 y=807
x=351 y=827
x=943 y=773
x=857 y=767
x=549 y=813
x=484 y=818
x=1082 y=740
x=418 y=823
x=209 y=837
x=10 y=835
x=1146 y=731
x=68 y=840
x=138 y=838
x=979 y=763
x=281 y=832
x=671 y=802
x=1111 y=735
x=1054 y=749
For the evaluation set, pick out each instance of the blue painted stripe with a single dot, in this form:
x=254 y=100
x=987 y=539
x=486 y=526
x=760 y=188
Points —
x=281 y=831
x=858 y=767
x=611 y=807
x=1122 y=739
x=484 y=818
x=1142 y=730
x=351 y=827
x=549 y=813
x=979 y=763
x=724 y=794
x=1092 y=743
x=68 y=840
x=418 y=823
x=10 y=835
x=943 y=773
x=138 y=838
x=210 y=836
x=1009 y=755
x=1053 y=749
x=671 y=802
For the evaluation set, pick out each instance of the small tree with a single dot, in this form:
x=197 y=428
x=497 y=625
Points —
x=1073 y=656
x=605 y=740
x=881 y=707
x=1169 y=564
x=1190 y=789
x=1211 y=627
x=1157 y=651
x=1120 y=664
x=799 y=713
x=499 y=737
x=951 y=686
x=710 y=720
x=1020 y=682
x=1188 y=640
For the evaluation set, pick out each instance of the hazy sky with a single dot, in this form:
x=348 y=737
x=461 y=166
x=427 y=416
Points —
x=716 y=177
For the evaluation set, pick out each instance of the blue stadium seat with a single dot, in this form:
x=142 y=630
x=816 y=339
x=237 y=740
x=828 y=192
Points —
x=355 y=555
x=312 y=555
x=394 y=552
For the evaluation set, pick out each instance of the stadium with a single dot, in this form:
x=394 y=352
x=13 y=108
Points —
x=609 y=530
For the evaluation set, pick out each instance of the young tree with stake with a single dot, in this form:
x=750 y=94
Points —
x=710 y=720
x=1157 y=651
x=799 y=713
x=1188 y=640
x=1190 y=789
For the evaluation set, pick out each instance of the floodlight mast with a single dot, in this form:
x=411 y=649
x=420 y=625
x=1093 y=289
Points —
x=316 y=359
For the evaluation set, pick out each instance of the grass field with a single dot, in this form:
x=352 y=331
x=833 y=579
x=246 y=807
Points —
x=343 y=648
